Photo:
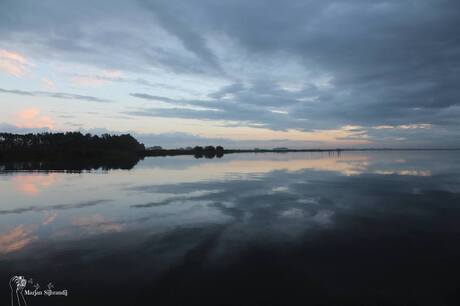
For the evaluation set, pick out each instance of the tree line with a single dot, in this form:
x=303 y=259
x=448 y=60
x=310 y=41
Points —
x=77 y=148
x=75 y=144
x=198 y=152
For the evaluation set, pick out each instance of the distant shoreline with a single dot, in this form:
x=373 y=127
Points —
x=176 y=152
x=124 y=149
x=337 y=150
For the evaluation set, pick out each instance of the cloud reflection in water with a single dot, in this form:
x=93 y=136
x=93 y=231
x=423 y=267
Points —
x=295 y=223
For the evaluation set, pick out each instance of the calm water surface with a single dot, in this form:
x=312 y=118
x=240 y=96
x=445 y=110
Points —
x=359 y=228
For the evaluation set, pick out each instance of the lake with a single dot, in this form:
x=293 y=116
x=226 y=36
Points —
x=367 y=228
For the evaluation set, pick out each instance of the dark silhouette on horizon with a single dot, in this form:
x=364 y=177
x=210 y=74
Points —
x=74 y=151
x=75 y=144
x=197 y=151
x=71 y=151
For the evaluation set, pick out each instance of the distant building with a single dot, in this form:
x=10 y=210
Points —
x=281 y=149
x=155 y=148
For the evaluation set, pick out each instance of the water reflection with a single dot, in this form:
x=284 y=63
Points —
x=359 y=228
x=32 y=184
x=95 y=224
x=16 y=239
x=50 y=216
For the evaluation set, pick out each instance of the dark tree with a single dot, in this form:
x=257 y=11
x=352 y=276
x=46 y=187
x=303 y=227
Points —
x=219 y=151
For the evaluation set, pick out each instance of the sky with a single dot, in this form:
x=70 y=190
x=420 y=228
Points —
x=298 y=73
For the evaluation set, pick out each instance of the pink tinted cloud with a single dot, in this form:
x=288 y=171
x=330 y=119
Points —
x=31 y=118
x=12 y=63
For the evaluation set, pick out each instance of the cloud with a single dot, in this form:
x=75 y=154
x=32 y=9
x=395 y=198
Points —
x=383 y=127
x=57 y=95
x=405 y=126
x=191 y=39
x=30 y=118
x=48 y=84
x=12 y=63
x=96 y=80
x=85 y=81
x=415 y=126
x=303 y=65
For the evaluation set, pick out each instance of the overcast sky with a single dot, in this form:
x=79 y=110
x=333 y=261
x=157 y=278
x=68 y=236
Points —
x=329 y=73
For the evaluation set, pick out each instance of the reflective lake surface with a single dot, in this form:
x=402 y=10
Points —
x=358 y=228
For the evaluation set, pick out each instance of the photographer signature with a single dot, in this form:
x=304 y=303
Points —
x=18 y=290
